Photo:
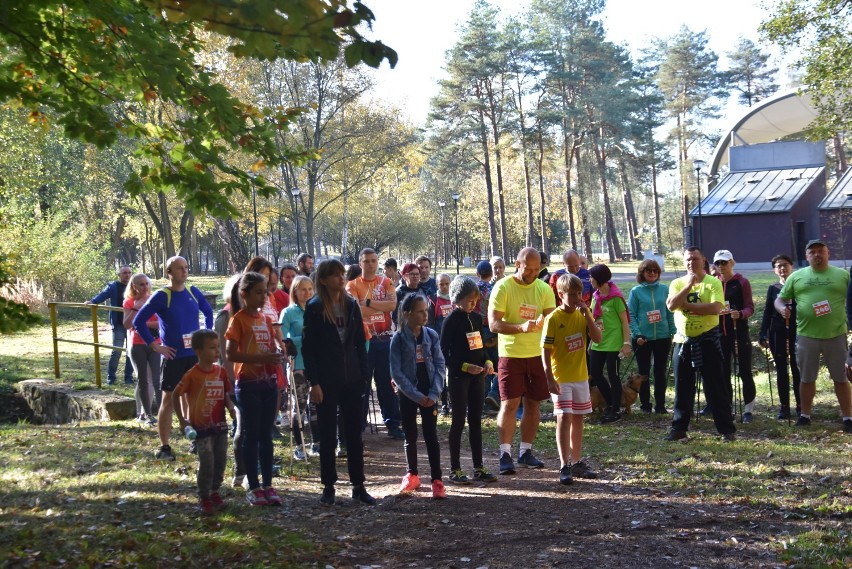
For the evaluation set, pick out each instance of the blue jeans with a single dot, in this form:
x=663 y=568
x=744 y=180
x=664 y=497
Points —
x=257 y=405
x=119 y=337
x=379 y=361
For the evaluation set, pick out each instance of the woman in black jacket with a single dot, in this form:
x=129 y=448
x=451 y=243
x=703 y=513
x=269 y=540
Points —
x=334 y=351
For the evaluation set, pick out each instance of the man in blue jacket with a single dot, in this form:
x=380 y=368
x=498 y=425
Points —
x=114 y=293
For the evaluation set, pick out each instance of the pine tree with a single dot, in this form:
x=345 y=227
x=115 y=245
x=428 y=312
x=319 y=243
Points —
x=750 y=73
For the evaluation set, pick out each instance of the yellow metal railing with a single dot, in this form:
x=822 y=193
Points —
x=95 y=342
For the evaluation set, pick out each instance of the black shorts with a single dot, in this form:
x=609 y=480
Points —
x=174 y=370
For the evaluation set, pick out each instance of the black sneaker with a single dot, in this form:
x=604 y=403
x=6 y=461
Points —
x=459 y=477
x=706 y=412
x=565 y=475
x=360 y=494
x=729 y=437
x=646 y=408
x=581 y=470
x=661 y=411
x=528 y=460
x=783 y=413
x=675 y=435
x=445 y=410
x=847 y=425
x=507 y=466
x=610 y=417
x=803 y=421
x=482 y=475
x=747 y=417
x=327 y=498
x=165 y=453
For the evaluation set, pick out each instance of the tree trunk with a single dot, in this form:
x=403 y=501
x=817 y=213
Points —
x=568 y=151
x=489 y=188
x=611 y=235
x=540 y=162
x=658 y=228
x=501 y=204
x=841 y=156
x=584 y=220
x=629 y=214
x=120 y=224
x=233 y=247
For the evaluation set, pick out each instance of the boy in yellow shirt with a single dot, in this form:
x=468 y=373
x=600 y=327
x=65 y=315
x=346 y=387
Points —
x=564 y=356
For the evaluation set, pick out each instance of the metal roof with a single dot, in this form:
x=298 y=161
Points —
x=840 y=195
x=760 y=191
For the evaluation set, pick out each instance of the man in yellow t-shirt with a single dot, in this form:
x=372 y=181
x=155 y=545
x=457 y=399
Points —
x=516 y=312
x=696 y=300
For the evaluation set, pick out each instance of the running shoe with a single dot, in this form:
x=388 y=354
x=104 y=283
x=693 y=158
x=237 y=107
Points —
x=360 y=494
x=256 y=497
x=272 y=497
x=506 y=464
x=438 y=490
x=565 y=475
x=459 y=477
x=207 y=507
x=410 y=483
x=482 y=475
x=165 y=453
x=528 y=460
x=581 y=470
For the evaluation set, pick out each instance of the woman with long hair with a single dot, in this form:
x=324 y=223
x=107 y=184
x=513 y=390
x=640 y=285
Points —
x=336 y=368
x=146 y=362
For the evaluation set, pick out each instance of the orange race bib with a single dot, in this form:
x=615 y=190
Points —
x=474 y=340
x=378 y=318
x=446 y=309
x=528 y=311
x=574 y=342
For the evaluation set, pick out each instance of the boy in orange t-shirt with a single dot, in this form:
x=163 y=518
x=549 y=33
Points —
x=206 y=389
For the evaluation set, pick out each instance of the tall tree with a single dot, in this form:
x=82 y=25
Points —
x=750 y=74
x=689 y=80
x=820 y=31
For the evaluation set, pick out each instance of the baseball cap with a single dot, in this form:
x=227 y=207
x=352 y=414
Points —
x=815 y=243
x=723 y=255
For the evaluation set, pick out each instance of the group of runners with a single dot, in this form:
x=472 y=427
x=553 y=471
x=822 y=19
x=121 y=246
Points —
x=456 y=345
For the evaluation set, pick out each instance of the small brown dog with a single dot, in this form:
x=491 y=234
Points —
x=629 y=393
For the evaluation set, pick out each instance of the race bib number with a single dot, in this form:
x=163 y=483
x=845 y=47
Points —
x=528 y=311
x=474 y=340
x=261 y=335
x=574 y=342
x=419 y=357
x=654 y=316
x=378 y=318
x=822 y=308
x=187 y=341
x=446 y=309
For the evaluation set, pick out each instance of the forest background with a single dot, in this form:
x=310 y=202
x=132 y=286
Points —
x=136 y=130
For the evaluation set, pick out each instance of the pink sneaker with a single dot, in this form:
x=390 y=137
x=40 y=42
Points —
x=207 y=506
x=410 y=483
x=272 y=497
x=438 y=490
x=256 y=497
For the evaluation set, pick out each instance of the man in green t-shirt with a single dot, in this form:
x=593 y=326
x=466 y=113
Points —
x=820 y=294
x=696 y=300
x=516 y=312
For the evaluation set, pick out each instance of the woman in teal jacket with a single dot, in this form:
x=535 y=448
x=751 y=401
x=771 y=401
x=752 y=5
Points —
x=652 y=328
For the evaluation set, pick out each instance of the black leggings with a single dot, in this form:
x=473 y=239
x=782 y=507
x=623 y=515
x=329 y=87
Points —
x=777 y=338
x=429 y=418
x=611 y=391
x=467 y=394
x=742 y=353
x=659 y=350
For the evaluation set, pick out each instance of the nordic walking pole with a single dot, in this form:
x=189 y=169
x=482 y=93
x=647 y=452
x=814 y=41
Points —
x=787 y=351
x=738 y=396
x=769 y=377
x=298 y=411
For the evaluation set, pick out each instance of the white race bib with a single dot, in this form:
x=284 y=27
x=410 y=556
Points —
x=418 y=354
x=822 y=308
x=474 y=340
x=187 y=341
x=446 y=309
x=654 y=316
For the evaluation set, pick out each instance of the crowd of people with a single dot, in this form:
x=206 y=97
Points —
x=318 y=344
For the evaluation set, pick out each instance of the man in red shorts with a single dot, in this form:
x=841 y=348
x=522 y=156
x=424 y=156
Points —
x=516 y=314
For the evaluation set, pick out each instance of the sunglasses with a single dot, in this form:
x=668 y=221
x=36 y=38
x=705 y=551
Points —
x=652 y=270
x=720 y=263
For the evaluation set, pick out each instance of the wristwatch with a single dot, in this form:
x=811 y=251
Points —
x=367 y=303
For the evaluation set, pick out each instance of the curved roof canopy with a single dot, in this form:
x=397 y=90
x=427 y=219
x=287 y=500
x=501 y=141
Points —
x=771 y=119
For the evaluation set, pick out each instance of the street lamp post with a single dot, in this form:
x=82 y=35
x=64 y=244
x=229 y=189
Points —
x=456 y=197
x=253 y=175
x=699 y=164
x=296 y=193
x=441 y=205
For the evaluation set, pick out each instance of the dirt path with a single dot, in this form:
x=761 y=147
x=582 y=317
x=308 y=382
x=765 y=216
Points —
x=525 y=520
